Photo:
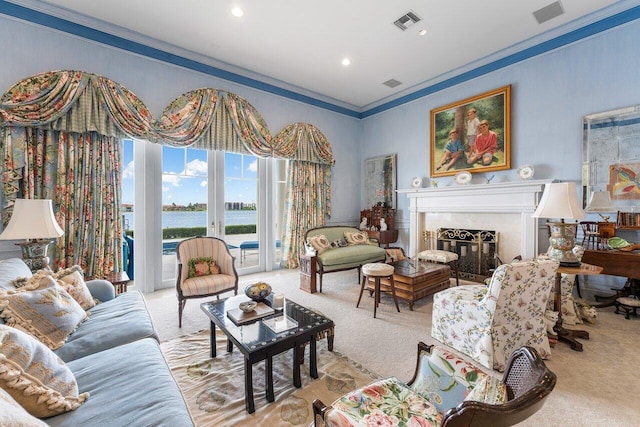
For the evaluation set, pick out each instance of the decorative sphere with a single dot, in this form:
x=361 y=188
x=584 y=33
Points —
x=258 y=291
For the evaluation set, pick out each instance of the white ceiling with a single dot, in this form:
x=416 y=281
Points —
x=303 y=42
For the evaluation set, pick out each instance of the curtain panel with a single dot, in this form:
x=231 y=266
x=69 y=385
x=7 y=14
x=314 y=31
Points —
x=71 y=110
x=80 y=174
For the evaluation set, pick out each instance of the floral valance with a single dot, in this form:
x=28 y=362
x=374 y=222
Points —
x=75 y=101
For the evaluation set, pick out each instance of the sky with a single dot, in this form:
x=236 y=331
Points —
x=184 y=178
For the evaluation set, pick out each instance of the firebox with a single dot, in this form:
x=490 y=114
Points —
x=477 y=250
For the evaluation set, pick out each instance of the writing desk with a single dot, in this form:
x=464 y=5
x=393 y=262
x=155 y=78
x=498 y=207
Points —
x=616 y=263
x=570 y=335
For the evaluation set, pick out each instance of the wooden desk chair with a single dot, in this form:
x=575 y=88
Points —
x=590 y=235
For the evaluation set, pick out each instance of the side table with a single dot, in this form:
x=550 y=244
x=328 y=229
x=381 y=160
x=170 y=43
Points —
x=308 y=266
x=570 y=335
x=119 y=279
x=384 y=237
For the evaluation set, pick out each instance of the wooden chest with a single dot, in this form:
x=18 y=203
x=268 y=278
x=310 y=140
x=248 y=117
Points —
x=414 y=279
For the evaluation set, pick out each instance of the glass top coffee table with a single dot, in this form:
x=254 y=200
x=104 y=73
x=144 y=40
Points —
x=257 y=342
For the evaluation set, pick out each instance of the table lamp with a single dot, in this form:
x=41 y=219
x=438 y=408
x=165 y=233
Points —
x=33 y=219
x=600 y=203
x=560 y=201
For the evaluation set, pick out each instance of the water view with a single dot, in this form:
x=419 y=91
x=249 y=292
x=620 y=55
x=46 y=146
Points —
x=197 y=218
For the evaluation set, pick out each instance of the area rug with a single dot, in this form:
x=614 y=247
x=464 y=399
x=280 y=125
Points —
x=214 y=388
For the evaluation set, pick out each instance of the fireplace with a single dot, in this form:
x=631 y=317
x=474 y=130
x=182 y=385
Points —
x=504 y=208
x=476 y=249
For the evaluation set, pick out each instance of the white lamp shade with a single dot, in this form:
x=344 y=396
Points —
x=600 y=202
x=559 y=200
x=32 y=219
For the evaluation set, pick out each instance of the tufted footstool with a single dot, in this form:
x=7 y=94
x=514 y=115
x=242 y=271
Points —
x=377 y=271
x=630 y=305
x=441 y=257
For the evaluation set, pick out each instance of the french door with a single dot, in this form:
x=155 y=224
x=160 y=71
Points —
x=184 y=192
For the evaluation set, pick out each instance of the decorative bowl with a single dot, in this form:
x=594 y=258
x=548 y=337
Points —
x=258 y=291
x=248 y=306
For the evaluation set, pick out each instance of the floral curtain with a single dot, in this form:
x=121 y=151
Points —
x=80 y=174
x=308 y=192
x=87 y=107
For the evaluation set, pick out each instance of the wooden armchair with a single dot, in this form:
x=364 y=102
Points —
x=205 y=268
x=525 y=386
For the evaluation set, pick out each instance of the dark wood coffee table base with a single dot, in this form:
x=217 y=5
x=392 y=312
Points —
x=266 y=344
x=415 y=279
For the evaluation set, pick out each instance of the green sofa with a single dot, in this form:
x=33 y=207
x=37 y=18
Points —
x=343 y=257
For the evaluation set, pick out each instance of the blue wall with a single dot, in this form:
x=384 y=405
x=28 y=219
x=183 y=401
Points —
x=28 y=49
x=550 y=94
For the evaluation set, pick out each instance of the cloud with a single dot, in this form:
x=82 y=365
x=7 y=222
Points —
x=127 y=172
x=196 y=167
x=253 y=166
x=174 y=180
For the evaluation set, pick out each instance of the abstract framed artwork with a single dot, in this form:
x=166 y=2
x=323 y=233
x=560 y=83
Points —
x=380 y=181
x=472 y=134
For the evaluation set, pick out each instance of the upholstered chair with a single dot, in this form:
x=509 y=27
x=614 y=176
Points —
x=205 y=268
x=446 y=391
x=488 y=323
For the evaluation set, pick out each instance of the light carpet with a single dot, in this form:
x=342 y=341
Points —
x=596 y=387
x=214 y=388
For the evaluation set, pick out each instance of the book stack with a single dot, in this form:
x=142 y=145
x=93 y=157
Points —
x=239 y=317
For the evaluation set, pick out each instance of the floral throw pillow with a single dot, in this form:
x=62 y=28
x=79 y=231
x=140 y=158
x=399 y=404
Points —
x=72 y=280
x=320 y=243
x=446 y=380
x=203 y=266
x=357 y=238
x=49 y=313
x=36 y=377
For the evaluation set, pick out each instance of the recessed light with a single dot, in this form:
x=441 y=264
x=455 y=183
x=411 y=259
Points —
x=422 y=32
x=237 y=12
x=346 y=62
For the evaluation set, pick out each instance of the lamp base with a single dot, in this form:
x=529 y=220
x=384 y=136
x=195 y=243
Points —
x=562 y=241
x=34 y=253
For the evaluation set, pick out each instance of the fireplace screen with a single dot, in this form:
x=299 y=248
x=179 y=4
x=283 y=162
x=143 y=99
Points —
x=476 y=250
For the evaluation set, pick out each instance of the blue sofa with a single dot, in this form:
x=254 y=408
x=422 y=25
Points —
x=115 y=356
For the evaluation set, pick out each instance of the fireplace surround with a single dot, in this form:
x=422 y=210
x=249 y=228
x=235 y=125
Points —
x=505 y=208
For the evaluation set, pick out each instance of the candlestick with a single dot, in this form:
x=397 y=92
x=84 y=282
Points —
x=463 y=251
x=445 y=246
x=485 y=248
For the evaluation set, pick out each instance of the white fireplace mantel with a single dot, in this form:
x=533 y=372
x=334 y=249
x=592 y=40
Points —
x=516 y=198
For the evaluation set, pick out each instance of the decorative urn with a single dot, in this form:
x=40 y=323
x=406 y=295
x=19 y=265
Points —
x=258 y=291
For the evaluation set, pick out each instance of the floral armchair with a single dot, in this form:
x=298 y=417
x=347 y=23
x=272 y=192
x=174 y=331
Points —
x=488 y=323
x=446 y=391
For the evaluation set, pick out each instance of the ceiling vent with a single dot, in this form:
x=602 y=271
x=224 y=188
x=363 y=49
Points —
x=405 y=21
x=392 y=83
x=548 y=12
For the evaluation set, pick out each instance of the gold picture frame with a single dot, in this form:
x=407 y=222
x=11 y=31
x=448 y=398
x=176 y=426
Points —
x=463 y=154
